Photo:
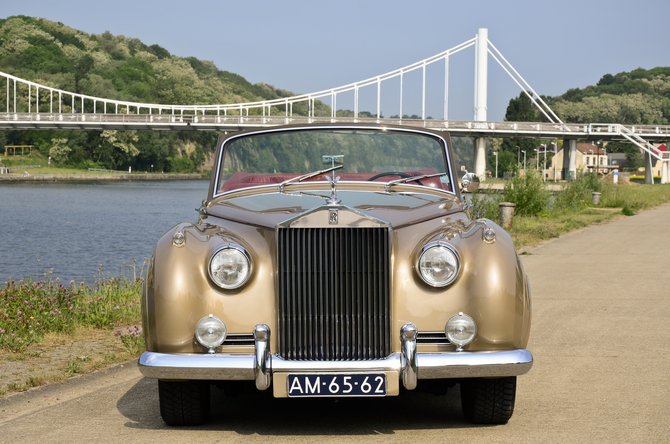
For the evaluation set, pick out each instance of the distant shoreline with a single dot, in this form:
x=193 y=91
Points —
x=98 y=177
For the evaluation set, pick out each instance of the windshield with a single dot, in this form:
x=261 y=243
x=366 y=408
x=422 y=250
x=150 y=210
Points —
x=364 y=155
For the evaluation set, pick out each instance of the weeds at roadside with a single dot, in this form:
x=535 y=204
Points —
x=34 y=381
x=73 y=367
x=133 y=340
x=16 y=387
x=29 y=309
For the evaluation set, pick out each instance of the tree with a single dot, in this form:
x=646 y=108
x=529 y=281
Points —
x=59 y=151
x=520 y=109
x=632 y=152
x=117 y=148
x=81 y=69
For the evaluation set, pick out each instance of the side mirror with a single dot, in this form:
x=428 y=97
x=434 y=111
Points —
x=469 y=183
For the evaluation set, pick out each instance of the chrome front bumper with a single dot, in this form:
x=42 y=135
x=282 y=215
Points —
x=409 y=365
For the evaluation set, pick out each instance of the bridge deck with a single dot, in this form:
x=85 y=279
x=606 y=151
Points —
x=169 y=122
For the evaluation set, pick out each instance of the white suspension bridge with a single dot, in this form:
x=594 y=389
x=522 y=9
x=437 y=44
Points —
x=30 y=105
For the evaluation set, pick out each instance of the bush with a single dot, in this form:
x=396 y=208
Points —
x=180 y=165
x=529 y=194
x=485 y=205
x=579 y=190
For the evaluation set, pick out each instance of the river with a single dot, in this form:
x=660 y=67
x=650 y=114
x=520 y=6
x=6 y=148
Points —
x=74 y=228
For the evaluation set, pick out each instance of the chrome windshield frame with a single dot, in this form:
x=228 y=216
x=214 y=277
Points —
x=449 y=166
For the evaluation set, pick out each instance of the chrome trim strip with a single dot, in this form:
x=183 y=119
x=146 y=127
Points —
x=390 y=363
x=338 y=127
x=432 y=338
x=409 y=361
x=446 y=365
x=478 y=364
x=272 y=188
x=262 y=360
x=217 y=366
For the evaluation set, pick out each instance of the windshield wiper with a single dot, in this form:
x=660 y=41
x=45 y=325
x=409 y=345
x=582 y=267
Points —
x=388 y=185
x=306 y=176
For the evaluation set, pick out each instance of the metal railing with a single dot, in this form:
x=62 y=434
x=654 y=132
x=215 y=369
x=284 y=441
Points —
x=638 y=134
x=108 y=171
x=23 y=167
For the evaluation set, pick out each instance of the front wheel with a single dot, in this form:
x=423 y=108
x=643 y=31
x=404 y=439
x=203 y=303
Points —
x=184 y=403
x=488 y=401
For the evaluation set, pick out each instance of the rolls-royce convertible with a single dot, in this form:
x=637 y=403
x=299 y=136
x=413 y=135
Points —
x=336 y=261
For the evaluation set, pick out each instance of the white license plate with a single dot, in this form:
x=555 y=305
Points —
x=324 y=384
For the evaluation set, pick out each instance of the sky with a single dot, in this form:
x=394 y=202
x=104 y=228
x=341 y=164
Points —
x=308 y=46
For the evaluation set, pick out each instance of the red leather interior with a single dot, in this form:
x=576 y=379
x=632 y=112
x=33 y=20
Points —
x=244 y=180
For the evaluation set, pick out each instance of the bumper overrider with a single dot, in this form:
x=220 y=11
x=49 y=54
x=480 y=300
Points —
x=408 y=365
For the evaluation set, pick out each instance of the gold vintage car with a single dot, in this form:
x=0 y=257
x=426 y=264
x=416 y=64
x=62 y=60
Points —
x=336 y=260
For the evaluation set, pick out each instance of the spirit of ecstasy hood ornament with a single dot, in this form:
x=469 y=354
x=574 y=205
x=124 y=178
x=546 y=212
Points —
x=333 y=200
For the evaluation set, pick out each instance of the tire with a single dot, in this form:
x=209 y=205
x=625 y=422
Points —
x=184 y=403
x=488 y=401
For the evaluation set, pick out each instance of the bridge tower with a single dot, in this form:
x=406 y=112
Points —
x=481 y=83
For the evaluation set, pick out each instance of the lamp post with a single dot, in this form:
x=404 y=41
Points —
x=553 y=160
x=496 y=154
x=524 y=160
x=518 y=155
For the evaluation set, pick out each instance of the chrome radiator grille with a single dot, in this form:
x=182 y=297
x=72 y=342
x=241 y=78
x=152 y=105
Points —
x=334 y=296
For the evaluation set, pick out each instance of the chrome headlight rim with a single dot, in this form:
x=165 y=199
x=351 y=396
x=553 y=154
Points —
x=227 y=247
x=433 y=245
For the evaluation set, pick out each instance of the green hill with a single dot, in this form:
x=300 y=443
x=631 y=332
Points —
x=117 y=67
x=122 y=68
x=637 y=97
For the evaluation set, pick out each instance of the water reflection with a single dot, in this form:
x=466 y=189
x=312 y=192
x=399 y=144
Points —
x=73 y=228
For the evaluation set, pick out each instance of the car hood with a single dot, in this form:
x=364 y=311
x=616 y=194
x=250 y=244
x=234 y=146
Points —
x=397 y=209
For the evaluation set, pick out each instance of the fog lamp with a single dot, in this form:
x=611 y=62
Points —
x=460 y=330
x=210 y=331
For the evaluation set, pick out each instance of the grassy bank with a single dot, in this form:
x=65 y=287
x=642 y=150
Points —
x=56 y=168
x=540 y=216
x=50 y=331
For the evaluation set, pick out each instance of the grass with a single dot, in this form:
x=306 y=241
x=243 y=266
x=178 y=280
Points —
x=67 y=329
x=572 y=209
x=30 y=309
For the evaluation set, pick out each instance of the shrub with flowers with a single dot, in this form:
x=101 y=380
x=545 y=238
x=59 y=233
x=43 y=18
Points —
x=133 y=340
x=29 y=309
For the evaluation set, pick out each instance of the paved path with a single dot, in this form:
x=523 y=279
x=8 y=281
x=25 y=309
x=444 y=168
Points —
x=600 y=337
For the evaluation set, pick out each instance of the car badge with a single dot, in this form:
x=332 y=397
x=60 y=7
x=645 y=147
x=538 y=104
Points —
x=332 y=216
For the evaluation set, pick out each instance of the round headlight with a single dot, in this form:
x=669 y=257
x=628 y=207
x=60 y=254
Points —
x=460 y=329
x=438 y=264
x=210 y=331
x=230 y=267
